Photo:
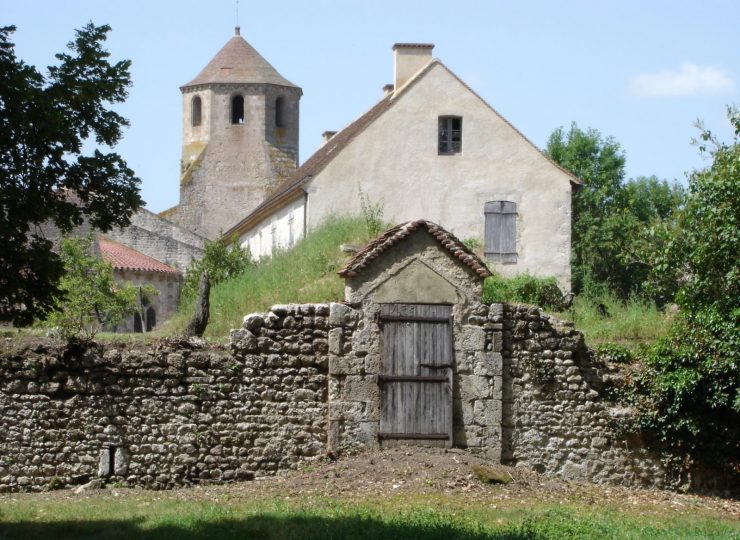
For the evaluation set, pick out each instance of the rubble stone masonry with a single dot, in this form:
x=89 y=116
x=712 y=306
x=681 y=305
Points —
x=296 y=384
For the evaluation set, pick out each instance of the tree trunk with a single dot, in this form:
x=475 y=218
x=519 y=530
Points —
x=198 y=323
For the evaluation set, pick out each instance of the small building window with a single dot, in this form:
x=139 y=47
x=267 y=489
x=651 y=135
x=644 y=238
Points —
x=195 y=111
x=237 y=110
x=280 y=112
x=291 y=238
x=450 y=135
x=500 y=231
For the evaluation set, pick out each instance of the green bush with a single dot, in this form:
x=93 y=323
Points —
x=614 y=352
x=527 y=289
x=688 y=393
x=221 y=261
x=90 y=299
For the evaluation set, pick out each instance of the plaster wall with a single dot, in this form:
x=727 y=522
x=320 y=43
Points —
x=395 y=161
x=280 y=230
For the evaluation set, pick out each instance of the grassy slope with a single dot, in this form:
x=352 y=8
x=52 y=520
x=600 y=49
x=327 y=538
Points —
x=155 y=516
x=306 y=273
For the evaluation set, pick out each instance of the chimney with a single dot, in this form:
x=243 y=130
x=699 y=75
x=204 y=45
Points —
x=408 y=59
x=327 y=135
x=387 y=89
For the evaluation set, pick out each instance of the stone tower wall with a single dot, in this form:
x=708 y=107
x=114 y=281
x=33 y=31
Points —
x=229 y=169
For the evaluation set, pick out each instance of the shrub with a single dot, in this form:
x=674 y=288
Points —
x=221 y=261
x=615 y=353
x=542 y=292
x=90 y=298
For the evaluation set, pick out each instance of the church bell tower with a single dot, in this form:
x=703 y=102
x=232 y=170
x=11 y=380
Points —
x=240 y=138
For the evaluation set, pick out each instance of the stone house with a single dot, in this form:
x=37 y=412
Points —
x=135 y=268
x=431 y=134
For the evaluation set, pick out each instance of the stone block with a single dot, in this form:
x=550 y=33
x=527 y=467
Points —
x=361 y=388
x=471 y=338
x=495 y=312
x=120 y=461
x=497 y=341
x=373 y=364
x=345 y=365
x=335 y=341
x=342 y=315
x=474 y=387
x=253 y=321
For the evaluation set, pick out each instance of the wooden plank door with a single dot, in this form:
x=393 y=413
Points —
x=416 y=378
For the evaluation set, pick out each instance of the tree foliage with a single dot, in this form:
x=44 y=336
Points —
x=611 y=216
x=89 y=298
x=220 y=261
x=689 y=391
x=46 y=175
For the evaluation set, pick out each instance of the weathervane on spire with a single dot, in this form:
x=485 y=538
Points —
x=238 y=28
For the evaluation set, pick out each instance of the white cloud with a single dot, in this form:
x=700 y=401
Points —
x=689 y=80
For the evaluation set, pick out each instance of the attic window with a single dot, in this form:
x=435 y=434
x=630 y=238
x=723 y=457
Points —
x=237 y=110
x=280 y=112
x=450 y=135
x=195 y=111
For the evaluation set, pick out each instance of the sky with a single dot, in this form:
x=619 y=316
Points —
x=641 y=72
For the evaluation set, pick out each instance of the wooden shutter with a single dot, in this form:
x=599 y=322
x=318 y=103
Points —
x=500 y=231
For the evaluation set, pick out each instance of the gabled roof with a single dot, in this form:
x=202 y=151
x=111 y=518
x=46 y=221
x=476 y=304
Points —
x=291 y=188
x=239 y=62
x=125 y=258
x=393 y=236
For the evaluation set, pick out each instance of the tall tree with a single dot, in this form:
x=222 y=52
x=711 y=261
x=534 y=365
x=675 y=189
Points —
x=598 y=210
x=46 y=176
x=614 y=222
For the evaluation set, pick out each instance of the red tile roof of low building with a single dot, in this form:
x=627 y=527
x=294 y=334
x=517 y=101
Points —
x=396 y=234
x=124 y=258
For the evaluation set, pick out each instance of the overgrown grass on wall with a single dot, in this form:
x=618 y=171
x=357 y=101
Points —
x=606 y=318
x=306 y=273
x=600 y=315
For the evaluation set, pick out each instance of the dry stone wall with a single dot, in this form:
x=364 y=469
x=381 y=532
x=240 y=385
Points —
x=298 y=382
x=172 y=415
x=556 y=419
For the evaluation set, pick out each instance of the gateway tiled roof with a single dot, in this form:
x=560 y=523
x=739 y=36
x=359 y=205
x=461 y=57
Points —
x=125 y=258
x=393 y=236
x=291 y=187
x=239 y=62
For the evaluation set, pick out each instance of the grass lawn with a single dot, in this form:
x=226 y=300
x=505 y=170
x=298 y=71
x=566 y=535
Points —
x=127 y=514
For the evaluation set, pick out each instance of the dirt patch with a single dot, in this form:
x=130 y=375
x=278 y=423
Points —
x=413 y=472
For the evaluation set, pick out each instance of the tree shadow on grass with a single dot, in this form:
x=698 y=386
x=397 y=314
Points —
x=262 y=527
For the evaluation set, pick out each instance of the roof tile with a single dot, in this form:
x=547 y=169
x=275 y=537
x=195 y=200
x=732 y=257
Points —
x=125 y=258
x=392 y=236
x=238 y=62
